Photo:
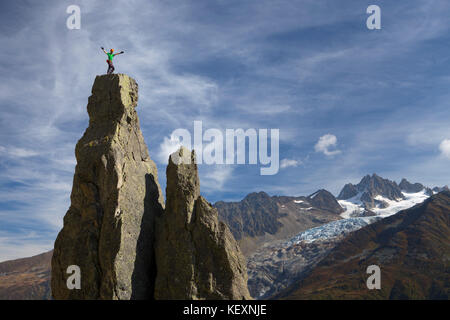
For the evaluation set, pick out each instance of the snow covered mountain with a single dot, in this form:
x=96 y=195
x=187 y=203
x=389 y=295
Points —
x=277 y=265
x=355 y=207
x=376 y=196
x=372 y=199
x=411 y=247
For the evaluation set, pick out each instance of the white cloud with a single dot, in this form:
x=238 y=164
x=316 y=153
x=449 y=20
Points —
x=285 y=163
x=325 y=143
x=213 y=178
x=445 y=148
x=167 y=147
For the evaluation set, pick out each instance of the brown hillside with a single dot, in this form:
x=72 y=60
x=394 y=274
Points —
x=26 y=279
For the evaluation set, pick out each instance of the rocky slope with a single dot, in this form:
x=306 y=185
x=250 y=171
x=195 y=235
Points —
x=197 y=256
x=26 y=279
x=412 y=248
x=271 y=269
x=255 y=215
x=260 y=219
x=278 y=265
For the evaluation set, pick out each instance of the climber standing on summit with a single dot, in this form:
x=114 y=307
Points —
x=111 y=55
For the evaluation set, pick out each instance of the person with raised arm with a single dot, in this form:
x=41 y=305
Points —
x=109 y=61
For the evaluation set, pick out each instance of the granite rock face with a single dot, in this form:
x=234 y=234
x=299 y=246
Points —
x=197 y=256
x=109 y=228
x=117 y=231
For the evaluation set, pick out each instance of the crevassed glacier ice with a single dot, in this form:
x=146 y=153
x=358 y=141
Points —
x=332 y=229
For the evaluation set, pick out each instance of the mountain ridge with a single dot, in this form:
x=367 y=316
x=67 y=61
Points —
x=26 y=278
x=259 y=218
x=411 y=247
x=286 y=208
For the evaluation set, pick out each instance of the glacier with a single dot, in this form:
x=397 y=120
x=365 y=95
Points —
x=349 y=223
x=332 y=229
x=354 y=206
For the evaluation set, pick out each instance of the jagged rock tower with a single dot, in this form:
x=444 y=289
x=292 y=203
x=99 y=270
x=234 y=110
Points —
x=117 y=231
x=109 y=228
x=197 y=256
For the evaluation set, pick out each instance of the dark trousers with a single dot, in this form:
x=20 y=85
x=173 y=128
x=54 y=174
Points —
x=110 y=67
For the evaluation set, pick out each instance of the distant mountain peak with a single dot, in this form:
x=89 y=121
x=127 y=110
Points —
x=375 y=195
x=325 y=200
x=370 y=187
x=323 y=191
x=256 y=196
x=349 y=191
x=438 y=189
x=409 y=187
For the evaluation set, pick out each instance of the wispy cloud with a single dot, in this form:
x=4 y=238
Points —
x=14 y=152
x=285 y=163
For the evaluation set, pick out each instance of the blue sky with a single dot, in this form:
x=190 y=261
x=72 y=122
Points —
x=379 y=99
